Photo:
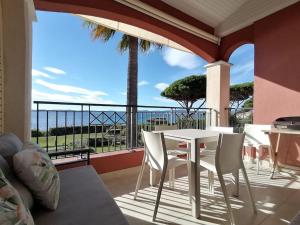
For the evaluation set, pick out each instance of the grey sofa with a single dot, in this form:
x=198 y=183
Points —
x=84 y=199
x=296 y=219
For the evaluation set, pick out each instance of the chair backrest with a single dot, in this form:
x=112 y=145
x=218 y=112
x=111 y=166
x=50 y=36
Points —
x=213 y=145
x=155 y=150
x=228 y=130
x=170 y=144
x=255 y=134
x=228 y=157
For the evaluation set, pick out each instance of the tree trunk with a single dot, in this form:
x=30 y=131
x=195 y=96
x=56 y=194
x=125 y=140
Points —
x=132 y=80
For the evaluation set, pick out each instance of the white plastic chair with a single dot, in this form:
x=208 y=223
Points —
x=256 y=137
x=228 y=160
x=213 y=145
x=155 y=156
x=210 y=148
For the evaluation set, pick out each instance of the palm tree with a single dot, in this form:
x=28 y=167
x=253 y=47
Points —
x=133 y=45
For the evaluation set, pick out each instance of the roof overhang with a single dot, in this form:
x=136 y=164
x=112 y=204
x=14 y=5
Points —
x=134 y=31
x=225 y=17
x=164 y=17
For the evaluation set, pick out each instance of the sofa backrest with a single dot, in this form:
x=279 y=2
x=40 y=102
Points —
x=10 y=144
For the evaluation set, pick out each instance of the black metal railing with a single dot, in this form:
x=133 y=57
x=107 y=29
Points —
x=238 y=117
x=61 y=126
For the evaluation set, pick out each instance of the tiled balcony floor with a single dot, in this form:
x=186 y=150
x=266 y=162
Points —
x=277 y=200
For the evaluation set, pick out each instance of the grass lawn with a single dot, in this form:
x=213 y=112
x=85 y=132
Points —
x=68 y=139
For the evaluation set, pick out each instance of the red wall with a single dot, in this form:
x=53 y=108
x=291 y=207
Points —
x=277 y=65
x=112 y=161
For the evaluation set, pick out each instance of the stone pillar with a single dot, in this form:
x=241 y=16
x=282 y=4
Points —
x=17 y=17
x=217 y=93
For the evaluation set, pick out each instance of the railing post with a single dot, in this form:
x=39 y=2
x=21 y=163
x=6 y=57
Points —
x=128 y=127
x=37 y=123
x=133 y=126
x=89 y=127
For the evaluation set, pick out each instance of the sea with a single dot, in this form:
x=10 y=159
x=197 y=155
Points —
x=52 y=119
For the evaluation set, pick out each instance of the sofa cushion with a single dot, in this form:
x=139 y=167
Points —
x=10 y=144
x=12 y=208
x=296 y=219
x=35 y=168
x=22 y=190
x=84 y=200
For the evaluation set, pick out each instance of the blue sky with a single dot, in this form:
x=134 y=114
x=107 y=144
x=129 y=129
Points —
x=69 y=66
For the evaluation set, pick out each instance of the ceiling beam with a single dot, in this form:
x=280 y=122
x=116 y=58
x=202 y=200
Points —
x=171 y=20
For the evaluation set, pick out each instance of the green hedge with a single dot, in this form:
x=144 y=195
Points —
x=34 y=133
x=75 y=130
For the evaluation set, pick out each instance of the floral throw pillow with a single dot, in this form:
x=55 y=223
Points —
x=12 y=208
x=35 y=168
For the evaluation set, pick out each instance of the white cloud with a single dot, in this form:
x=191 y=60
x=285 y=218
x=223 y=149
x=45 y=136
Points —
x=143 y=82
x=242 y=72
x=69 y=89
x=43 y=96
x=174 y=57
x=124 y=93
x=161 y=86
x=244 y=68
x=37 y=73
x=55 y=70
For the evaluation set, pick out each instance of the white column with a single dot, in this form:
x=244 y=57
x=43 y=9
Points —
x=17 y=17
x=217 y=93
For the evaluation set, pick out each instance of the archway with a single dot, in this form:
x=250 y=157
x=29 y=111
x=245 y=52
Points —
x=242 y=85
x=114 y=11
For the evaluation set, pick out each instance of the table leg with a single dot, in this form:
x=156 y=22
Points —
x=275 y=156
x=195 y=179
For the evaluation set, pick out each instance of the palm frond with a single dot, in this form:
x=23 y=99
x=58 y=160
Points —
x=145 y=45
x=98 y=31
x=124 y=43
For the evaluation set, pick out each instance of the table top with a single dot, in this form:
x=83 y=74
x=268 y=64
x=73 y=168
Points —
x=282 y=131
x=191 y=134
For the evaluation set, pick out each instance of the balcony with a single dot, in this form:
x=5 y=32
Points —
x=277 y=199
x=211 y=31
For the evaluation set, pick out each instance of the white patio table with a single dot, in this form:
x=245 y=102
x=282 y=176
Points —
x=193 y=137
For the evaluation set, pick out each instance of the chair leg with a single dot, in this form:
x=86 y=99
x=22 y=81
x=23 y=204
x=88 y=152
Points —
x=211 y=182
x=249 y=189
x=172 y=178
x=139 y=181
x=237 y=184
x=161 y=184
x=258 y=162
x=223 y=186
x=189 y=180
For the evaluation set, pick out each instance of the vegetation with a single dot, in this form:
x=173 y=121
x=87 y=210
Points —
x=248 y=103
x=239 y=93
x=35 y=132
x=132 y=45
x=68 y=141
x=187 y=91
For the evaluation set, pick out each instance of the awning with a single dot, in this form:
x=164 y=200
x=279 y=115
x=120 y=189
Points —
x=135 y=32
